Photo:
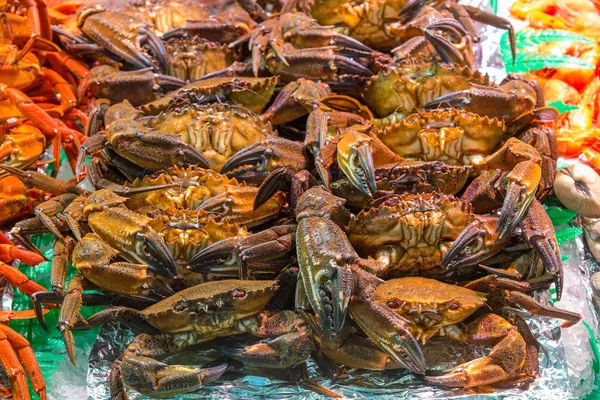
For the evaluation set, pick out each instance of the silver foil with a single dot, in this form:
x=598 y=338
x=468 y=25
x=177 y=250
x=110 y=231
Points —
x=566 y=361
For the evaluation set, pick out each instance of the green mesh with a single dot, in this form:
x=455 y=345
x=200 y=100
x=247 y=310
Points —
x=562 y=107
x=494 y=5
x=531 y=37
x=529 y=61
x=564 y=235
x=560 y=216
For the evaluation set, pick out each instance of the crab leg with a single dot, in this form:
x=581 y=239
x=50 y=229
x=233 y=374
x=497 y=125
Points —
x=530 y=304
x=506 y=358
x=24 y=229
x=19 y=280
x=38 y=18
x=295 y=99
x=52 y=207
x=62 y=90
x=95 y=176
x=10 y=252
x=53 y=129
x=10 y=362
x=44 y=182
x=27 y=357
x=459 y=53
x=489 y=19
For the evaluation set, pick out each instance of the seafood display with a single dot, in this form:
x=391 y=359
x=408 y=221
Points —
x=334 y=181
x=564 y=36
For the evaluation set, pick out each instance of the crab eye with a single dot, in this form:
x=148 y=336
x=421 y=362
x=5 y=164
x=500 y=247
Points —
x=239 y=293
x=179 y=306
x=393 y=304
x=452 y=305
x=140 y=236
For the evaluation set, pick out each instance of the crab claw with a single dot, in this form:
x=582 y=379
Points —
x=151 y=149
x=506 y=102
x=257 y=160
x=237 y=204
x=270 y=249
x=390 y=332
x=518 y=197
x=505 y=359
x=325 y=256
x=153 y=250
x=296 y=99
x=355 y=159
x=441 y=34
x=539 y=233
x=477 y=242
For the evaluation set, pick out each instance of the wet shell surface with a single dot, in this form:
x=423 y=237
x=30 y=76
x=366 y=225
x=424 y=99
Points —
x=578 y=188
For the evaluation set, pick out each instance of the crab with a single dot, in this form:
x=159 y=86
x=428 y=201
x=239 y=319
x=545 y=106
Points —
x=221 y=309
x=461 y=137
x=138 y=149
x=192 y=58
x=118 y=35
x=104 y=213
x=187 y=232
x=16 y=104
x=195 y=188
x=216 y=130
x=508 y=170
x=16 y=200
x=387 y=24
x=293 y=46
x=426 y=307
x=401 y=88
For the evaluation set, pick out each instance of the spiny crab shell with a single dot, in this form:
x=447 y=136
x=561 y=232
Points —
x=449 y=135
x=186 y=232
x=216 y=130
x=429 y=305
x=408 y=88
x=420 y=226
x=251 y=93
x=201 y=185
x=192 y=58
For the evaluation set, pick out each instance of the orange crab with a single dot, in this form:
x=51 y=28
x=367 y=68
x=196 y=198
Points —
x=16 y=355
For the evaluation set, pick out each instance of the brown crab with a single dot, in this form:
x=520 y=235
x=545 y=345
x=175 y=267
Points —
x=214 y=310
x=293 y=46
x=104 y=213
x=120 y=35
x=390 y=23
x=427 y=307
x=195 y=188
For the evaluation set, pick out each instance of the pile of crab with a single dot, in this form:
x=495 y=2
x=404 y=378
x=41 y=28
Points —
x=335 y=178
